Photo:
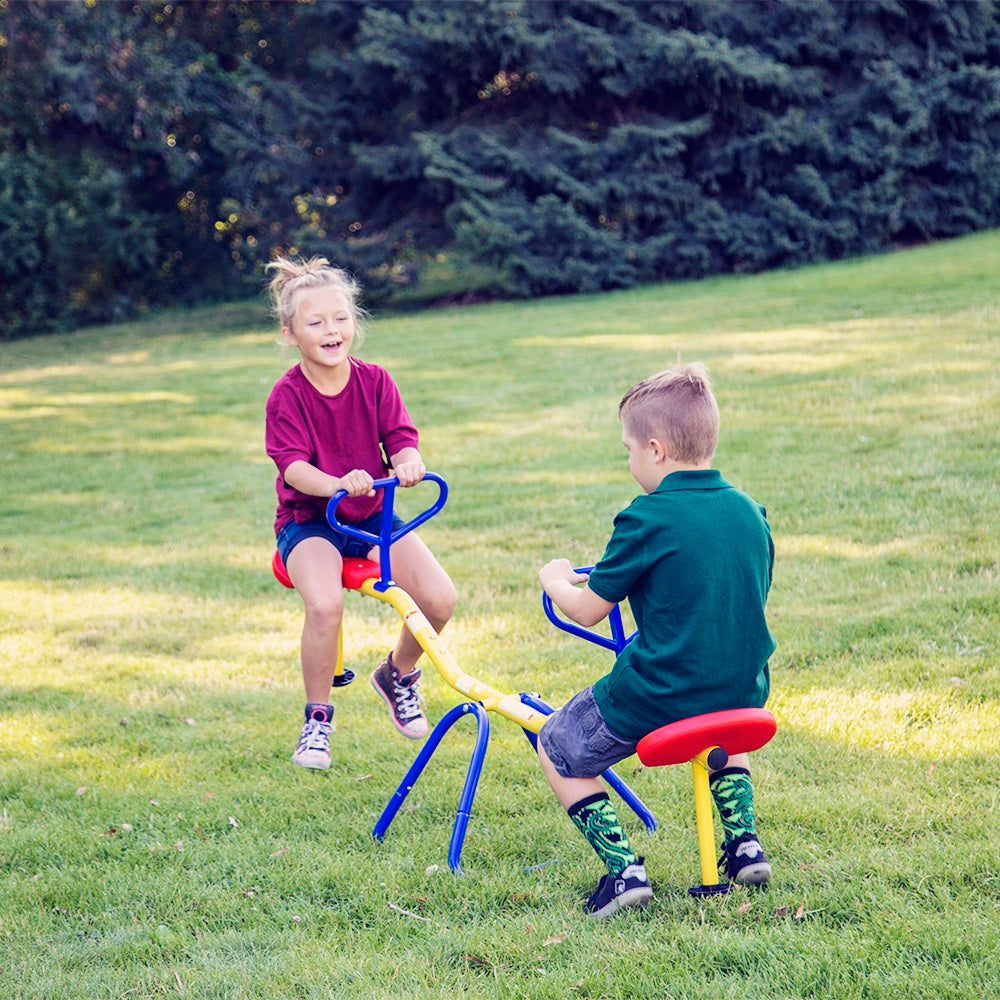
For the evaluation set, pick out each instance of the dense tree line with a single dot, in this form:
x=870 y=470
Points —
x=160 y=152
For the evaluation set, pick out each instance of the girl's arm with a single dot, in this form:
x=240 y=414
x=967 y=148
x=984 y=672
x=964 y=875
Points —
x=313 y=482
x=580 y=604
x=407 y=466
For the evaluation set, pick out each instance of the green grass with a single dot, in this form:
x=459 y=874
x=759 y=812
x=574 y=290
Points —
x=155 y=839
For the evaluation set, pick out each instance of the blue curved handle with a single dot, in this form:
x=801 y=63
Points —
x=618 y=640
x=386 y=535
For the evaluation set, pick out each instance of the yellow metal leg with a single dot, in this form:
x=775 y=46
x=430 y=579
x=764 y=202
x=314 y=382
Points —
x=703 y=819
x=508 y=705
x=341 y=676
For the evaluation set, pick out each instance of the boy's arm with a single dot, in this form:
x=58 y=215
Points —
x=580 y=604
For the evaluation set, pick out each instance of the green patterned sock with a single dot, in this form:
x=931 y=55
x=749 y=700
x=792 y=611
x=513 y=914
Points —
x=733 y=794
x=595 y=817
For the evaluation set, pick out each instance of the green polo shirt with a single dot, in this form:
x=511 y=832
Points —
x=694 y=559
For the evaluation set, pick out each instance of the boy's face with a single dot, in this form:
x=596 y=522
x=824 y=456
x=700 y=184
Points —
x=644 y=461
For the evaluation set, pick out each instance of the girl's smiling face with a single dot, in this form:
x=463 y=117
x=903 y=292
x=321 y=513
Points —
x=323 y=330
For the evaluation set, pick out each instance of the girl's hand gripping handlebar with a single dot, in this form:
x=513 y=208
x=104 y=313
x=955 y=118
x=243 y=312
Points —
x=386 y=535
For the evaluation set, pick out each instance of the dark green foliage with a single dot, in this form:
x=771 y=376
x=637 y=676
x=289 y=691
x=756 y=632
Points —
x=162 y=152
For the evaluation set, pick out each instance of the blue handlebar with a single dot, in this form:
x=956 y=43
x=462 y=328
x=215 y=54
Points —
x=386 y=535
x=618 y=640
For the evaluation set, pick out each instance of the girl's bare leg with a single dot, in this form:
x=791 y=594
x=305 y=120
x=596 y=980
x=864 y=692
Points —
x=315 y=567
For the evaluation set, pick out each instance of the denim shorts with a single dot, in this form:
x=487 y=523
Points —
x=579 y=742
x=348 y=546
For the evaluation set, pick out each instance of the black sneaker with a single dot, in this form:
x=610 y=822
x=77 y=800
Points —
x=617 y=892
x=743 y=861
x=402 y=695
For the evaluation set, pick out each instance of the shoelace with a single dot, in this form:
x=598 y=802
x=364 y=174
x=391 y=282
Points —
x=312 y=733
x=407 y=701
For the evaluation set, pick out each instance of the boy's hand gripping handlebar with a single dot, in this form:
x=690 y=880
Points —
x=386 y=535
x=618 y=640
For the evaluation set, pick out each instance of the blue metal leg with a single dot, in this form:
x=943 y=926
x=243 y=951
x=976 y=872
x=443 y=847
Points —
x=628 y=796
x=468 y=789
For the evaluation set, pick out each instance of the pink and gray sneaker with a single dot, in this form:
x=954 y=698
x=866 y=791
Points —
x=401 y=693
x=313 y=750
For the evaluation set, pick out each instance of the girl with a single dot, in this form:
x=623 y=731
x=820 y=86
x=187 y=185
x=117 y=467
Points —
x=337 y=423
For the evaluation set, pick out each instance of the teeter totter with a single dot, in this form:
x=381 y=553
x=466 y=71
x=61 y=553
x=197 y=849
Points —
x=374 y=579
x=703 y=741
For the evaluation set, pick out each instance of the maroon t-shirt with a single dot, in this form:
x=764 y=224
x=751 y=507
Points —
x=359 y=428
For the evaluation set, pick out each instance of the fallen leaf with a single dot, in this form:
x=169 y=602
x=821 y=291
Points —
x=278 y=853
x=552 y=940
x=744 y=909
x=801 y=911
x=82 y=790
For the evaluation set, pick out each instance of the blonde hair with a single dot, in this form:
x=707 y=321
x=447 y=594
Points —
x=677 y=408
x=293 y=277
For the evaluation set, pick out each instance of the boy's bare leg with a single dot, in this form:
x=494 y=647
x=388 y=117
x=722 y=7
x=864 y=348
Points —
x=568 y=791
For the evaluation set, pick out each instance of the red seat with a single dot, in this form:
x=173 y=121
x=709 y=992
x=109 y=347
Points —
x=707 y=742
x=736 y=730
x=355 y=572
x=281 y=574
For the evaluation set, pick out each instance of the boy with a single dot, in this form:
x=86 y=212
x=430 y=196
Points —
x=694 y=557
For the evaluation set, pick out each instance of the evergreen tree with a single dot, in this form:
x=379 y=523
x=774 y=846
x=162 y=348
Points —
x=161 y=152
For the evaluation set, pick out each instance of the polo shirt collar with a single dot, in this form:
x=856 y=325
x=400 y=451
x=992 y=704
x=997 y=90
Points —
x=692 y=479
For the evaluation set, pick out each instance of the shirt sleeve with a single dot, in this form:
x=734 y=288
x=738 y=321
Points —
x=286 y=437
x=624 y=562
x=396 y=429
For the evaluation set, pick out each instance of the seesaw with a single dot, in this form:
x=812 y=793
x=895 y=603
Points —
x=705 y=741
x=527 y=710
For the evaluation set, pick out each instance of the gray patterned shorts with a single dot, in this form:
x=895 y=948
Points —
x=579 y=742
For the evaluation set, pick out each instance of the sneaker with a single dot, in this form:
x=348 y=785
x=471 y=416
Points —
x=402 y=695
x=743 y=861
x=313 y=750
x=617 y=892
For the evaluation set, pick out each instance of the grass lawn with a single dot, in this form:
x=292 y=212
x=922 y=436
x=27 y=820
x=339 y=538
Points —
x=155 y=839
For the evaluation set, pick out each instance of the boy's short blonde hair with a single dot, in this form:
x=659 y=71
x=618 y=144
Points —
x=293 y=277
x=678 y=409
